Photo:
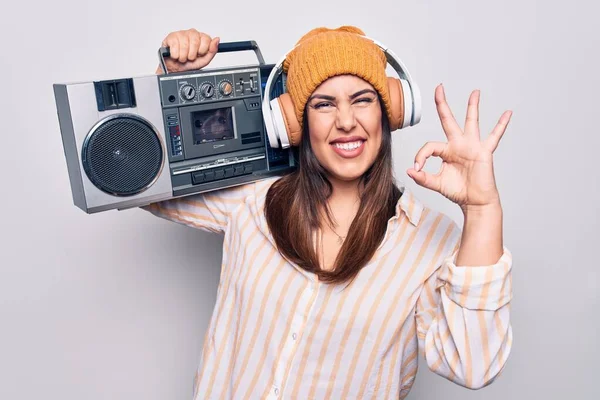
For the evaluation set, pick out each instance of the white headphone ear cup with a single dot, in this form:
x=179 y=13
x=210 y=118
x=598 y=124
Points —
x=408 y=104
x=269 y=124
x=279 y=123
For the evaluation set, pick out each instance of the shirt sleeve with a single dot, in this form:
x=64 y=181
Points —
x=209 y=211
x=463 y=324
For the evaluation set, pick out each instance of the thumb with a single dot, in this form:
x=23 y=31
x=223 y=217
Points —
x=214 y=45
x=425 y=179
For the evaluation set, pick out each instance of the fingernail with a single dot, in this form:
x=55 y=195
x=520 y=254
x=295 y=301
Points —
x=416 y=166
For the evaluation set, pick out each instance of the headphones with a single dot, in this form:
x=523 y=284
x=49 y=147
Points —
x=283 y=127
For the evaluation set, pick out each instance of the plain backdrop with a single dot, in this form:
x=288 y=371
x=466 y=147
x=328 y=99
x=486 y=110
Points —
x=115 y=305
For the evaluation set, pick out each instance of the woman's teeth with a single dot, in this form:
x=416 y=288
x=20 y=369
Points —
x=348 y=146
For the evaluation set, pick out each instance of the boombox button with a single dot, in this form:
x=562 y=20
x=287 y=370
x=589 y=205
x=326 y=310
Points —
x=239 y=169
x=198 y=177
x=247 y=168
x=228 y=172
x=219 y=173
x=209 y=176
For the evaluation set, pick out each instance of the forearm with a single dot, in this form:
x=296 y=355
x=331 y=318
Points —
x=468 y=347
x=481 y=242
x=463 y=318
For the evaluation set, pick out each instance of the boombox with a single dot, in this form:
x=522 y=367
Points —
x=133 y=141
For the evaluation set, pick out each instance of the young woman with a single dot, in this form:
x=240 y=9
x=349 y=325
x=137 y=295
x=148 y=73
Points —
x=333 y=277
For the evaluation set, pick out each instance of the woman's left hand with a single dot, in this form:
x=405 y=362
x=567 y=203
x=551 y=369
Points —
x=467 y=173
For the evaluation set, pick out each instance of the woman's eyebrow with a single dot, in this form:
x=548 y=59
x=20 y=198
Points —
x=332 y=98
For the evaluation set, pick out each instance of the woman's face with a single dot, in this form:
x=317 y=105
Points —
x=344 y=120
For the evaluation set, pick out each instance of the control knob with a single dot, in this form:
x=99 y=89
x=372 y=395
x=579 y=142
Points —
x=187 y=92
x=225 y=88
x=207 y=90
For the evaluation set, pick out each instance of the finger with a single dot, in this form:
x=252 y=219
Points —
x=425 y=179
x=492 y=141
x=204 y=43
x=472 y=118
x=428 y=150
x=214 y=45
x=172 y=43
x=210 y=54
x=184 y=47
x=448 y=121
x=194 y=38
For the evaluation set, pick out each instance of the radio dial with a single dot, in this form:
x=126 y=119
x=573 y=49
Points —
x=207 y=90
x=225 y=88
x=188 y=92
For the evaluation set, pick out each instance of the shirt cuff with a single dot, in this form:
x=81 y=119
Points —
x=486 y=287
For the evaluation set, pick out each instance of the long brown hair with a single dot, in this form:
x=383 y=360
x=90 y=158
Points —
x=293 y=202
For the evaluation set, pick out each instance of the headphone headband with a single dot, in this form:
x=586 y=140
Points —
x=412 y=116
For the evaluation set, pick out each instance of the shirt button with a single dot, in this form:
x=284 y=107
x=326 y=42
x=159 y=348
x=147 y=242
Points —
x=276 y=391
x=294 y=336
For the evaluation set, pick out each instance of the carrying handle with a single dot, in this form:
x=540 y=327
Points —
x=223 y=48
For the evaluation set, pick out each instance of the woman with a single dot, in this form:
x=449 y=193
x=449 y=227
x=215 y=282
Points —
x=333 y=278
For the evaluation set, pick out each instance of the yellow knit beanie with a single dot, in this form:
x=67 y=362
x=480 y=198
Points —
x=322 y=53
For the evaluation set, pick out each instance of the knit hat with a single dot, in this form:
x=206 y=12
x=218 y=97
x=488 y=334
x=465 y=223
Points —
x=322 y=53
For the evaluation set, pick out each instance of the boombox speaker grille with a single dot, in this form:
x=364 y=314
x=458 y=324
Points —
x=122 y=155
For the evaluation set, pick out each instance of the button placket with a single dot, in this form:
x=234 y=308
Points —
x=305 y=305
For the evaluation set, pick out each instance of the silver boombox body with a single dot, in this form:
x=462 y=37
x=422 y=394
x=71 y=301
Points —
x=134 y=141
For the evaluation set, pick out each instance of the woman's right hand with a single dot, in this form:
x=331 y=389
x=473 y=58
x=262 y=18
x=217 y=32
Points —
x=190 y=50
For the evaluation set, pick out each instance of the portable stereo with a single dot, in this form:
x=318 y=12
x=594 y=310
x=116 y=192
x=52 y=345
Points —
x=133 y=141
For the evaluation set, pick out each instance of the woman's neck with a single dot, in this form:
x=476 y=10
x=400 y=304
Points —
x=345 y=198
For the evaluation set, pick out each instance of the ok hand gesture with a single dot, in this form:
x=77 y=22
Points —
x=467 y=174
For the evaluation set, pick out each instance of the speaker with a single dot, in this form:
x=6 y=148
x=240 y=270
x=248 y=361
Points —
x=113 y=139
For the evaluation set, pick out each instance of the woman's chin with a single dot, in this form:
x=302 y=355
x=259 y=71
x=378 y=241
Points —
x=347 y=175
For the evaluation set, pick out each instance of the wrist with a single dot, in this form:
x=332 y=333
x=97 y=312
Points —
x=481 y=241
x=492 y=207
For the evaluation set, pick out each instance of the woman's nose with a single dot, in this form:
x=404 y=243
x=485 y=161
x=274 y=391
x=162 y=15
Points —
x=345 y=119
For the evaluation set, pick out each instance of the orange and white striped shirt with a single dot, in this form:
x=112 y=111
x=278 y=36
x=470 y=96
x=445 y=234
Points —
x=277 y=332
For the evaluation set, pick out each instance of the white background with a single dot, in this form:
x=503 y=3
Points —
x=115 y=305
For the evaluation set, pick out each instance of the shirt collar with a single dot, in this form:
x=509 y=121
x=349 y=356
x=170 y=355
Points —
x=410 y=205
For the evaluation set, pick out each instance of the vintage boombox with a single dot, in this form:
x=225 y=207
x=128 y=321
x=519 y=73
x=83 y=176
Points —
x=133 y=141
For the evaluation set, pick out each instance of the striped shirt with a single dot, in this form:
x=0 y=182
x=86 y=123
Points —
x=277 y=332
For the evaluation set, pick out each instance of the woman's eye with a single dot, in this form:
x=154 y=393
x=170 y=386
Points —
x=322 y=105
x=364 y=100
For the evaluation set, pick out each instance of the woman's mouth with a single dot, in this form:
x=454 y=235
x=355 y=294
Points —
x=349 y=149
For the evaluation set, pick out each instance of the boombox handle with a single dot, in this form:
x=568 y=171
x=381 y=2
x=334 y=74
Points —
x=223 y=48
